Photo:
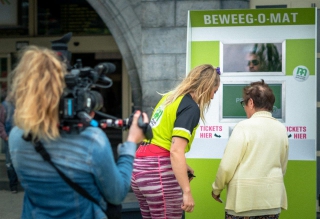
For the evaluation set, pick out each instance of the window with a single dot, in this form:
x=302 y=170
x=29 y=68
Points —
x=14 y=17
x=62 y=16
x=271 y=6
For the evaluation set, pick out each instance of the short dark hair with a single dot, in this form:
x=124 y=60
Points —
x=261 y=94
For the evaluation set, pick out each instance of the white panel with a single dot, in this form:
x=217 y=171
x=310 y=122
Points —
x=214 y=149
x=257 y=34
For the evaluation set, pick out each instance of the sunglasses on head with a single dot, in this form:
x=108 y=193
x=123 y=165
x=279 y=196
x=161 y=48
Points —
x=254 y=62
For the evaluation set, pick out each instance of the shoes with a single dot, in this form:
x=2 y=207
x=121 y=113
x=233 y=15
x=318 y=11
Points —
x=14 y=190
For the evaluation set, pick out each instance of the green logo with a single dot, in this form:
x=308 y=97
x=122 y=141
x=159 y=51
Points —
x=301 y=73
x=156 y=117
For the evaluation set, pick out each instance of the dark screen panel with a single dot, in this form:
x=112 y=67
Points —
x=62 y=16
x=232 y=96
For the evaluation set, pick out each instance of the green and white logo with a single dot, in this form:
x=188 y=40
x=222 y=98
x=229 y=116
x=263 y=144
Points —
x=155 y=120
x=301 y=73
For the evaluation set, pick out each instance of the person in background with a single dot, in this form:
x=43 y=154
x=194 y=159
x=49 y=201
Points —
x=255 y=160
x=84 y=156
x=255 y=63
x=6 y=124
x=160 y=180
x=264 y=57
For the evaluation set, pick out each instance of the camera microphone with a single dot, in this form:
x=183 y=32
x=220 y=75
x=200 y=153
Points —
x=105 y=67
x=107 y=81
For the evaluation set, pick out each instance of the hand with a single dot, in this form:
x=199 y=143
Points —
x=187 y=202
x=216 y=197
x=92 y=114
x=135 y=132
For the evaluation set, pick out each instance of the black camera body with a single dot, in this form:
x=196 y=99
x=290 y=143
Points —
x=79 y=100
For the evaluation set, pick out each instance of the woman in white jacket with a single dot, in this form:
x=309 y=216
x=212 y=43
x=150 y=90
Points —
x=255 y=160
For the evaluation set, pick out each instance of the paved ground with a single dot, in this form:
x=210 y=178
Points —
x=11 y=205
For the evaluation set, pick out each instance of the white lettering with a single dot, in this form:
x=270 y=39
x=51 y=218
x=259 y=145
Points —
x=249 y=18
x=262 y=18
x=234 y=18
x=207 y=19
x=218 y=19
x=275 y=18
x=215 y=19
x=286 y=18
x=241 y=18
x=294 y=16
x=224 y=19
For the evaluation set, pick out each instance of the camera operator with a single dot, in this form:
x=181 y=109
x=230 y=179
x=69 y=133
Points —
x=85 y=156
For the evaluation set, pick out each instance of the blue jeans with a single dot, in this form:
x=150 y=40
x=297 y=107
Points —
x=13 y=179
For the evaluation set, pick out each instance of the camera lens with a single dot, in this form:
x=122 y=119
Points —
x=96 y=100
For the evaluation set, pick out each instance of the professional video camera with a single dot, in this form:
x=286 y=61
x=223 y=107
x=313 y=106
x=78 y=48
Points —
x=78 y=100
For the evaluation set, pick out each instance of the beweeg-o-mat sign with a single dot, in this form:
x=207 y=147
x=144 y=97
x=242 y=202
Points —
x=279 y=46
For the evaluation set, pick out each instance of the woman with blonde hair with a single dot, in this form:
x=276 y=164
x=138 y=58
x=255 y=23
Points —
x=160 y=175
x=38 y=85
x=85 y=156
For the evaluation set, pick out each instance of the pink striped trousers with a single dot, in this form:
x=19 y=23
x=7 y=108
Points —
x=156 y=188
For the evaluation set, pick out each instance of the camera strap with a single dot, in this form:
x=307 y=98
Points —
x=113 y=211
x=46 y=156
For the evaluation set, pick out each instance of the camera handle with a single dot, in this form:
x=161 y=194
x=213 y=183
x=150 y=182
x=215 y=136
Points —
x=146 y=128
x=125 y=124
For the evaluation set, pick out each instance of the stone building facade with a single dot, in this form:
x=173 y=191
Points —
x=151 y=36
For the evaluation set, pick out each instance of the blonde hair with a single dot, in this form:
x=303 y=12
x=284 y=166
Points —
x=38 y=83
x=200 y=81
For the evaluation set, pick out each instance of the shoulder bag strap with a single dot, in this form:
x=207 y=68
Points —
x=46 y=156
x=113 y=211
